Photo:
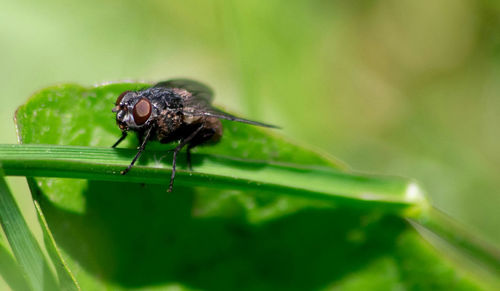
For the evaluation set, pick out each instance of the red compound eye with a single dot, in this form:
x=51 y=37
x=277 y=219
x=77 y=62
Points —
x=142 y=111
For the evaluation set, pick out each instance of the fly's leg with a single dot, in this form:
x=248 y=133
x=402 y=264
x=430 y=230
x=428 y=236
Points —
x=188 y=157
x=124 y=135
x=139 y=152
x=177 y=150
x=200 y=139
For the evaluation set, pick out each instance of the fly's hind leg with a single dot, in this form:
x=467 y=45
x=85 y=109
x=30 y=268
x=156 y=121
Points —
x=188 y=157
x=177 y=149
x=208 y=131
x=206 y=135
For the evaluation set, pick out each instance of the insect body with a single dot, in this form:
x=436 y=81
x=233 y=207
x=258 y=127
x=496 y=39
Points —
x=174 y=110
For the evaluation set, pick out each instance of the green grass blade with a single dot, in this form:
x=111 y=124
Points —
x=216 y=171
x=10 y=270
x=23 y=244
x=67 y=280
x=456 y=241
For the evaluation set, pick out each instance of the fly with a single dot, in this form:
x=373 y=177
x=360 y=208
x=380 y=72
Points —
x=175 y=110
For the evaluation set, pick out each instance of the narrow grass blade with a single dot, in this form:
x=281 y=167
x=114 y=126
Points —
x=10 y=270
x=444 y=232
x=67 y=280
x=391 y=193
x=23 y=244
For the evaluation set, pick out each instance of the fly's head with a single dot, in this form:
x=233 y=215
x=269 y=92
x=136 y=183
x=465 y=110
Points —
x=132 y=111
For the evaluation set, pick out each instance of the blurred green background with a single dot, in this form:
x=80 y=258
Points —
x=405 y=87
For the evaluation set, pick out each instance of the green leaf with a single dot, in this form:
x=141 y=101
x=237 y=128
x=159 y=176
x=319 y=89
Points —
x=258 y=212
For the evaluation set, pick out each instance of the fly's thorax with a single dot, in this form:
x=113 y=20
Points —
x=168 y=122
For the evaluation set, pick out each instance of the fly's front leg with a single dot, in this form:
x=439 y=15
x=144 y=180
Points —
x=124 y=135
x=139 y=152
x=177 y=150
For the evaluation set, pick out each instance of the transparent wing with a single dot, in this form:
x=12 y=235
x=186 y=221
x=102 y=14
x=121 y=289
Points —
x=213 y=112
x=201 y=91
x=199 y=103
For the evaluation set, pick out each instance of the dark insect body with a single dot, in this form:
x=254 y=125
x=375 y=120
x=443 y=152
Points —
x=175 y=110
